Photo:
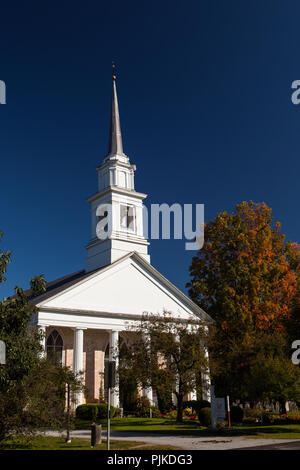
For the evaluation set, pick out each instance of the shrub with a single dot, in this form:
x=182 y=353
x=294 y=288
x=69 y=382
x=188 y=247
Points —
x=142 y=407
x=102 y=411
x=172 y=414
x=236 y=414
x=91 y=412
x=197 y=405
x=252 y=413
x=250 y=420
x=205 y=416
x=276 y=418
x=86 y=412
x=155 y=411
x=187 y=411
x=220 y=426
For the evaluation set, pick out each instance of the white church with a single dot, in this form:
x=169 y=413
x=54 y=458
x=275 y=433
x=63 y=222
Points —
x=85 y=315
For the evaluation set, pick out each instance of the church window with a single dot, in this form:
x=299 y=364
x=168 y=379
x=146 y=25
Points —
x=54 y=346
x=127 y=214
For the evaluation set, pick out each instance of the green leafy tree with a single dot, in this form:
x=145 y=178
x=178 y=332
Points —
x=4 y=261
x=247 y=278
x=32 y=389
x=166 y=344
x=257 y=368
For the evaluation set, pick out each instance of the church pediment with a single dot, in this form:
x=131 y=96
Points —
x=130 y=286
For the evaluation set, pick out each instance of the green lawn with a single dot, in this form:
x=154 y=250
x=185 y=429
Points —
x=189 y=427
x=159 y=425
x=58 y=443
x=278 y=431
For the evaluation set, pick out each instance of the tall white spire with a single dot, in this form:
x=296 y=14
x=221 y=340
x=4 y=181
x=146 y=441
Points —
x=115 y=147
x=116 y=193
x=115 y=135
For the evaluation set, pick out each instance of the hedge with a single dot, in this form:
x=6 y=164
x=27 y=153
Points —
x=205 y=416
x=197 y=405
x=236 y=414
x=91 y=412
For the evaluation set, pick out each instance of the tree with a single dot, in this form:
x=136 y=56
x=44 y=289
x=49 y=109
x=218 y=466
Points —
x=32 y=389
x=246 y=277
x=257 y=368
x=4 y=261
x=167 y=354
x=45 y=394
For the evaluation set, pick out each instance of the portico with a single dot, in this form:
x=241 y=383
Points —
x=83 y=350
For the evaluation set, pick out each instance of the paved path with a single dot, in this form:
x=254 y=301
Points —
x=195 y=442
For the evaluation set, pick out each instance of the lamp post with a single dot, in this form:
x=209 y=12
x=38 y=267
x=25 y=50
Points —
x=111 y=384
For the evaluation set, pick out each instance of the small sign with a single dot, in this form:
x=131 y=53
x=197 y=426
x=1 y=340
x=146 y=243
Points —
x=220 y=413
x=2 y=352
x=111 y=374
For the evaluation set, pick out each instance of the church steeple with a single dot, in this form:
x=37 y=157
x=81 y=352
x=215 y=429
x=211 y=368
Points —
x=115 y=135
x=117 y=197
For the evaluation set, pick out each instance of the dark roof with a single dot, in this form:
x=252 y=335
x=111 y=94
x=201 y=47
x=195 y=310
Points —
x=56 y=286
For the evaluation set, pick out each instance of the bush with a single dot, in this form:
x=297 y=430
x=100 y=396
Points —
x=197 y=405
x=236 y=414
x=250 y=420
x=172 y=414
x=276 y=418
x=220 y=426
x=85 y=412
x=205 y=416
x=102 y=411
x=187 y=411
x=142 y=407
x=155 y=411
x=91 y=412
x=252 y=413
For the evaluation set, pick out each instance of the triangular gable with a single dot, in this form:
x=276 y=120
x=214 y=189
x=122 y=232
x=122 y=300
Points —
x=129 y=286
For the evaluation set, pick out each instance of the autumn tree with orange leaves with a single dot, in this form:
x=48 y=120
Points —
x=246 y=278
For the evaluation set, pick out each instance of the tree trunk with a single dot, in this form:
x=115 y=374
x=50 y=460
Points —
x=68 y=438
x=282 y=407
x=179 y=408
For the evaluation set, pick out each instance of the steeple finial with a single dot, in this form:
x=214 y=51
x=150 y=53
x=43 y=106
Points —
x=115 y=136
x=113 y=66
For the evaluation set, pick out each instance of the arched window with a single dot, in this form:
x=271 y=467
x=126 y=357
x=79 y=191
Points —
x=54 y=346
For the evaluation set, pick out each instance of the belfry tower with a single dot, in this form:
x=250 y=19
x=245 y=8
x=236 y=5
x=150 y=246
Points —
x=116 y=209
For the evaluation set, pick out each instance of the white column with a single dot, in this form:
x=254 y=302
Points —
x=148 y=393
x=206 y=383
x=174 y=397
x=193 y=395
x=114 y=356
x=78 y=357
x=42 y=329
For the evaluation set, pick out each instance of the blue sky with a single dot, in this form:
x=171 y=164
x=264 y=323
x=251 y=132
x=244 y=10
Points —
x=205 y=100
